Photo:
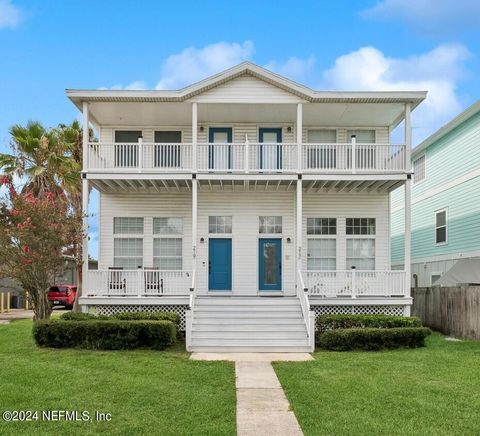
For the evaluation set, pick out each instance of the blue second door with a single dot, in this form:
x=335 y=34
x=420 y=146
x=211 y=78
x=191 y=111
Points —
x=270 y=264
x=219 y=264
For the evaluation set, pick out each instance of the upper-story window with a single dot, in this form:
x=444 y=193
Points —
x=322 y=152
x=166 y=152
x=126 y=148
x=419 y=169
x=441 y=233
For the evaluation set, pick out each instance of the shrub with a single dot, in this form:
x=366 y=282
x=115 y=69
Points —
x=80 y=316
x=332 y=322
x=150 y=316
x=373 y=338
x=104 y=334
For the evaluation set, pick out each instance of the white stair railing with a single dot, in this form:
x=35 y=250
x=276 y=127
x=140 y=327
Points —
x=189 y=313
x=308 y=315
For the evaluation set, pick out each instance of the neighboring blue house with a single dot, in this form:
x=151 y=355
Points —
x=445 y=201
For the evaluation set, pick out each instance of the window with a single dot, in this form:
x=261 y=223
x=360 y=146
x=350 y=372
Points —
x=270 y=224
x=365 y=155
x=220 y=224
x=321 y=254
x=127 y=225
x=419 y=169
x=128 y=252
x=166 y=153
x=321 y=153
x=128 y=249
x=167 y=253
x=321 y=226
x=126 y=153
x=168 y=226
x=361 y=253
x=441 y=227
x=434 y=277
x=361 y=226
x=167 y=250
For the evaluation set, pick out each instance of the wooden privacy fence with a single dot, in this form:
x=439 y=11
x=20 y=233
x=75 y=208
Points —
x=452 y=310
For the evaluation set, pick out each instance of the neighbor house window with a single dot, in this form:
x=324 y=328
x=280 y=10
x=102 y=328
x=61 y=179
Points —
x=168 y=243
x=321 y=149
x=321 y=249
x=434 y=277
x=441 y=227
x=270 y=224
x=167 y=149
x=127 y=243
x=419 y=169
x=360 y=244
x=220 y=224
x=126 y=147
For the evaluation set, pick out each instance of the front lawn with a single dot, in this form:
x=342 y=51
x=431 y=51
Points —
x=147 y=392
x=426 y=391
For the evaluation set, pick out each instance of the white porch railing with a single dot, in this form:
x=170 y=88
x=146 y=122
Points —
x=308 y=315
x=139 y=283
x=247 y=157
x=355 y=283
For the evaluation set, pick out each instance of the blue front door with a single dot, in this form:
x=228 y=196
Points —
x=219 y=264
x=270 y=148
x=220 y=148
x=270 y=264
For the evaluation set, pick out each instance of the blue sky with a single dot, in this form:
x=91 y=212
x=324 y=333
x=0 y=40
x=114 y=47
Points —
x=47 y=46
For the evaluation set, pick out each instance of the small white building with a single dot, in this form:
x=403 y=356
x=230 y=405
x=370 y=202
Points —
x=247 y=203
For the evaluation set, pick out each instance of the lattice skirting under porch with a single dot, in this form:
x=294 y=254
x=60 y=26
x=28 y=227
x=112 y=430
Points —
x=358 y=310
x=114 y=309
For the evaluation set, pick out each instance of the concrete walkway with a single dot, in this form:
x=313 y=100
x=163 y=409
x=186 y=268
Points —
x=262 y=407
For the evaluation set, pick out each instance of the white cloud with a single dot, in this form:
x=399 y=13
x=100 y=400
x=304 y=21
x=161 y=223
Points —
x=10 y=15
x=194 y=64
x=136 y=85
x=429 y=16
x=437 y=71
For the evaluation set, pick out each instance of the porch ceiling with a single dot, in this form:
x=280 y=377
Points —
x=328 y=114
x=132 y=185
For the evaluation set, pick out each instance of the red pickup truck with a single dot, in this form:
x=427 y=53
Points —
x=62 y=295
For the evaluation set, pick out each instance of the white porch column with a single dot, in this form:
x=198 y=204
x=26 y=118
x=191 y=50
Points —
x=85 y=235
x=299 y=136
x=194 y=221
x=298 y=235
x=194 y=136
x=85 y=136
x=408 y=201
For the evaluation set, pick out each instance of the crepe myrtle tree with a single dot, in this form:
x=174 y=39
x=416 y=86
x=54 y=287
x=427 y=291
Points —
x=35 y=231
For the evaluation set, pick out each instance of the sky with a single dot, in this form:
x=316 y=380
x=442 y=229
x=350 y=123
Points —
x=47 y=46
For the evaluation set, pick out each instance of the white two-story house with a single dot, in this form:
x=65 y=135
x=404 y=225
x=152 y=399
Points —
x=247 y=203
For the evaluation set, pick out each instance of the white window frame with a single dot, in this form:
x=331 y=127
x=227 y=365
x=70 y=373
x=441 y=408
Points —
x=359 y=236
x=157 y=236
x=216 y=225
x=313 y=236
x=274 y=225
x=434 y=274
x=415 y=181
x=445 y=209
x=140 y=236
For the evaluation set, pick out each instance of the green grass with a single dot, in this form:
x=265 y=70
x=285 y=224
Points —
x=427 y=391
x=145 y=391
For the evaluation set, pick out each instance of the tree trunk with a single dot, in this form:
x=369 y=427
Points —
x=41 y=307
x=76 y=305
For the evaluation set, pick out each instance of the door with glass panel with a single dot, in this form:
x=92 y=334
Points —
x=126 y=148
x=321 y=149
x=167 y=149
x=270 y=150
x=270 y=264
x=220 y=148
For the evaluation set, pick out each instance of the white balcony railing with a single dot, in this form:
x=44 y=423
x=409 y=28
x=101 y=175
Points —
x=247 y=157
x=356 y=283
x=137 y=283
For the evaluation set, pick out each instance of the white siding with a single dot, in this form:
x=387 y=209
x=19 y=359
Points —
x=247 y=89
x=382 y=134
x=342 y=206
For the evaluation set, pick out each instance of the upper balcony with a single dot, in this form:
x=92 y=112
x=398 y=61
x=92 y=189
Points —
x=247 y=157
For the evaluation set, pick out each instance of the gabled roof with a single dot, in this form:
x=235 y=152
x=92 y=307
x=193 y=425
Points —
x=459 y=119
x=243 y=69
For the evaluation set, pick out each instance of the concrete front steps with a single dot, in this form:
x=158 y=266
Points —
x=248 y=324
